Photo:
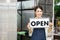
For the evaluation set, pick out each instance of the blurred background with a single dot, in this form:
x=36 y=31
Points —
x=57 y=20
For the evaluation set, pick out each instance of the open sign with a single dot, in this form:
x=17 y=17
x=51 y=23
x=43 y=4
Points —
x=39 y=23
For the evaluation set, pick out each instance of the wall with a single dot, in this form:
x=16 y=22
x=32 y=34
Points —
x=8 y=18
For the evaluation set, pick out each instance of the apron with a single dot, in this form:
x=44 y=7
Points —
x=38 y=34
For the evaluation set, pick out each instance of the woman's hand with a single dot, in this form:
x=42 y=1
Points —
x=29 y=28
x=50 y=27
x=50 y=24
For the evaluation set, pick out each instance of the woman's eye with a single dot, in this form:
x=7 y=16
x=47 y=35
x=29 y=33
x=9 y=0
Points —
x=39 y=11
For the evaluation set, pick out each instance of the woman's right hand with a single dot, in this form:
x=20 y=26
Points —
x=30 y=31
x=29 y=28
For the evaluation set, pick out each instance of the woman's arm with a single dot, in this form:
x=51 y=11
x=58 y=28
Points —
x=29 y=28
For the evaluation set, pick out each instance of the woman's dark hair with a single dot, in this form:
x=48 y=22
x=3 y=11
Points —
x=38 y=7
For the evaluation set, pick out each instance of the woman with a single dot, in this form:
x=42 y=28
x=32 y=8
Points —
x=38 y=33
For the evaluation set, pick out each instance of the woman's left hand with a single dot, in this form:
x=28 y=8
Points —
x=50 y=24
x=50 y=27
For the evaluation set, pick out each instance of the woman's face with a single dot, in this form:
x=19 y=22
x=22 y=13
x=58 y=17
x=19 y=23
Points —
x=38 y=12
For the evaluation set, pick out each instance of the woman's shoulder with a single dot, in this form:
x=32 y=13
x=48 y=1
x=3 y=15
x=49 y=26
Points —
x=44 y=17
